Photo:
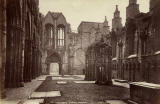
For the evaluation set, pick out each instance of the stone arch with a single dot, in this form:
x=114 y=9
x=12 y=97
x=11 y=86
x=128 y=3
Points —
x=60 y=25
x=79 y=61
x=48 y=24
x=54 y=58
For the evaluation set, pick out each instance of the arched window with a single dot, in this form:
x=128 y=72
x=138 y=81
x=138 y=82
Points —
x=50 y=34
x=61 y=33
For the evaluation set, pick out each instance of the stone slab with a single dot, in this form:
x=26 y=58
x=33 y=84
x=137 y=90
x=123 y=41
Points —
x=9 y=101
x=34 y=101
x=82 y=103
x=78 y=103
x=38 y=95
x=100 y=103
x=126 y=85
x=41 y=78
x=131 y=102
x=84 y=82
x=60 y=103
x=61 y=82
x=115 y=102
x=72 y=102
x=53 y=94
x=120 y=80
x=148 y=85
x=62 y=78
x=55 y=75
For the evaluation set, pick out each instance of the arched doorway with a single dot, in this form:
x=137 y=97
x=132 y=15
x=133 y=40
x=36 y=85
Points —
x=54 y=69
x=54 y=64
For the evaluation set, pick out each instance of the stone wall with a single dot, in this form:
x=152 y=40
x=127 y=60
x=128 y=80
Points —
x=55 y=20
x=141 y=58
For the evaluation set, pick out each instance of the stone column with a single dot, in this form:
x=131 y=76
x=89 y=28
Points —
x=20 y=60
x=27 y=51
x=2 y=47
x=33 y=67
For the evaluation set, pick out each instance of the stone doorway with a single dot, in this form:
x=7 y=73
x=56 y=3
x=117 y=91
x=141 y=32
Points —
x=54 y=64
x=54 y=69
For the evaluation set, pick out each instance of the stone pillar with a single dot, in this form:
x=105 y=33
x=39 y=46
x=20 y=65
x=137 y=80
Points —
x=14 y=46
x=27 y=50
x=10 y=56
x=2 y=47
x=30 y=60
x=33 y=67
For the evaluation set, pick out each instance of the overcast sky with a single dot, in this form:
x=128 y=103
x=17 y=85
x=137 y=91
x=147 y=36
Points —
x=76 y=11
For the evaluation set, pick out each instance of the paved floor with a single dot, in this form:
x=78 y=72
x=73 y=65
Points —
x=15 y=95
x=72 y=92
x=53 y=90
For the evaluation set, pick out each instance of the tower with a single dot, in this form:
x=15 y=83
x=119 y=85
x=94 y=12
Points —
x=132 y=1
x=132 y=10
x=117 y=20
x=105 y=27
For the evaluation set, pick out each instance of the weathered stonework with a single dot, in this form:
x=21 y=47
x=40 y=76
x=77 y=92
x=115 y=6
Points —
x=20 y=42
x=140 y=56
x=88 y=33
x=54 y=48
x=2 y=47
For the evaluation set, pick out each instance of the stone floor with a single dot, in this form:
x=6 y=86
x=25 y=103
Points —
x=83 y=92
x=15 y=95
x=67 y=90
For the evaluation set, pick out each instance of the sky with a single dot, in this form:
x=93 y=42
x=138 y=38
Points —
x=76 y=11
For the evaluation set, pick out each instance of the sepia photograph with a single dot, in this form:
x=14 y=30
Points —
x=79 y=51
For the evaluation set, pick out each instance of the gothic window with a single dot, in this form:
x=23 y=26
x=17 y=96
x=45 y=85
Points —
x=61 y=33
x=50 y=34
